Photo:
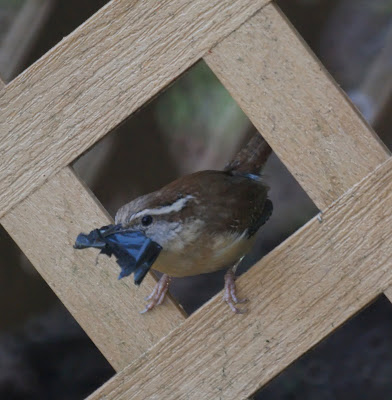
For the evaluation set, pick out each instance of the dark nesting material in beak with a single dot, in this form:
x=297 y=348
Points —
x=134 y=251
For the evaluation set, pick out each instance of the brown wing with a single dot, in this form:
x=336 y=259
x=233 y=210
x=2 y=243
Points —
x=236 y=201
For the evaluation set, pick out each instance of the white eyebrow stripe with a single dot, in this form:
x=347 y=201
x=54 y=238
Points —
x=176 y=206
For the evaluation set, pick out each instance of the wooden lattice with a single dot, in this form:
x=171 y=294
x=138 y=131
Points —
x=303 y=290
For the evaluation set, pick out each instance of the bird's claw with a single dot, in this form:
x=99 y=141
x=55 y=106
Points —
x=158 y=294
x=229 y=295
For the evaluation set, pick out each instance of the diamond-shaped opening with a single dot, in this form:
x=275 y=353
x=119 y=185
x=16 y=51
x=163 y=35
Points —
x=194 y=125
x=30 y=28
x=44 y=353
x=352 y=363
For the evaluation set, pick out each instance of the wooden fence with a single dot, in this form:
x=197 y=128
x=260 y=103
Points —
x=304 y=289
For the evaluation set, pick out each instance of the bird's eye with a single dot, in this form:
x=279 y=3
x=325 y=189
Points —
x=147 y=220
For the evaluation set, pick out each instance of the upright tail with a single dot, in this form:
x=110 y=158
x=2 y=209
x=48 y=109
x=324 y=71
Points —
x=251 y=158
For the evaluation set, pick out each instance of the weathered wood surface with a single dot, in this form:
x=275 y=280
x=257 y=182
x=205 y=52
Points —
x=296 y=105
x=107 y=68
x=45 y=226
x=299 y=293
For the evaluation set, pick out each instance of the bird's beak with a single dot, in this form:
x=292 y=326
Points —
x=134 y=251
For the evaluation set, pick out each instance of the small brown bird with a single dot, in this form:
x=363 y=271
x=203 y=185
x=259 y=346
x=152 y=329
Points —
x=205 y=221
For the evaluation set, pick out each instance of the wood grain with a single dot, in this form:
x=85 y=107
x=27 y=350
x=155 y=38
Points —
x=106 y=69
x=301 y=292
x=290 y=98
x=45 y=226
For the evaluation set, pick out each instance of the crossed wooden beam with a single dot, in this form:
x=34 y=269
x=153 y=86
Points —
x=303 y=290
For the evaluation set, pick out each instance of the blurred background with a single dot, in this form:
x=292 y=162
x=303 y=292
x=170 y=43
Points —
x=194 y=125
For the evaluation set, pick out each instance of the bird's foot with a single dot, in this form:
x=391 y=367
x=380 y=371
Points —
x=158 y=294
x=229 y=295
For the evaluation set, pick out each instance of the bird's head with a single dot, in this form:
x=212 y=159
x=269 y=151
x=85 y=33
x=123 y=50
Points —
x=165 y=217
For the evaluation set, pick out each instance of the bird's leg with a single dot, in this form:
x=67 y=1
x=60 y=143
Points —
x=229 y=294
x=158 y=294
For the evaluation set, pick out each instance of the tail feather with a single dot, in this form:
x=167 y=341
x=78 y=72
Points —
x=251 y=158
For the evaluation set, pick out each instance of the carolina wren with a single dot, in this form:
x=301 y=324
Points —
x=205 y=221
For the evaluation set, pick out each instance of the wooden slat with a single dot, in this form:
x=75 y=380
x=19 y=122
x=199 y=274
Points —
x=45 y=226
x=261 y=64
x=111 y=65
x=296 y=105
x=299 y=293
